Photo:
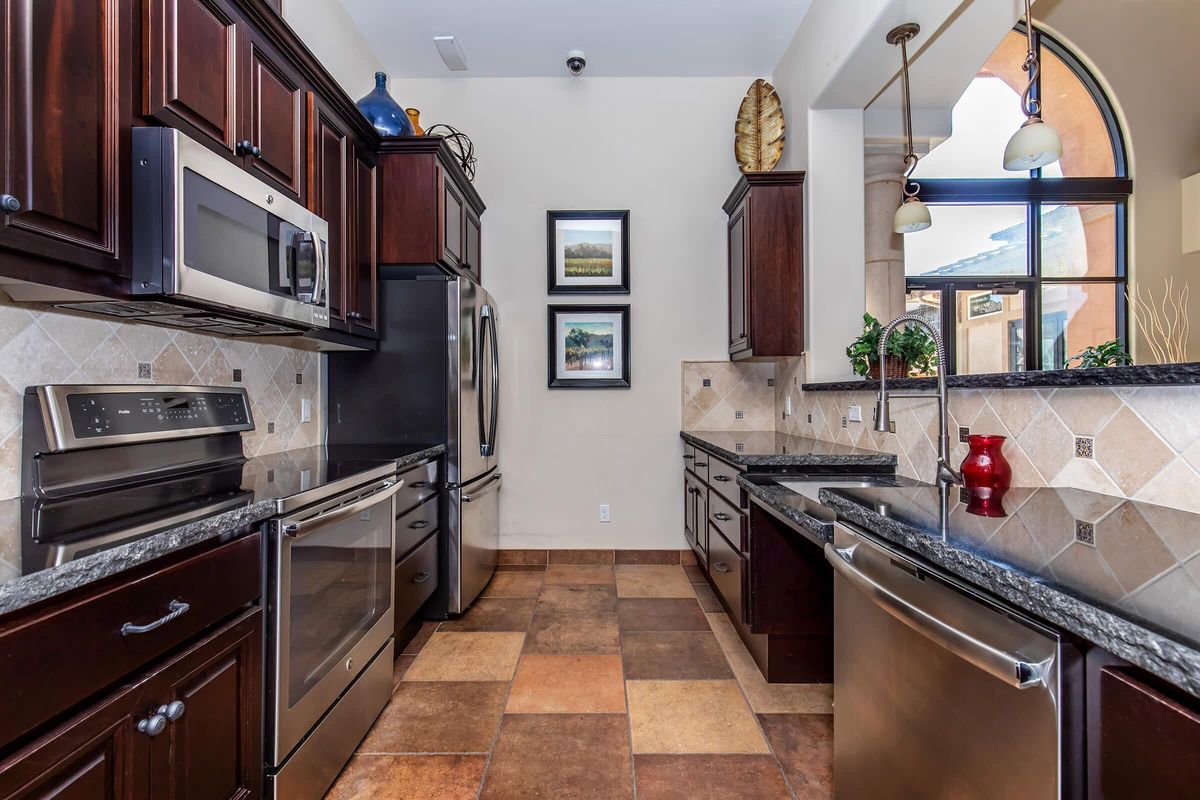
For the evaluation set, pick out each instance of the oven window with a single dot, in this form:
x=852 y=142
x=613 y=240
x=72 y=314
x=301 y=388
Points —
x=340 y=587
x=228 y=237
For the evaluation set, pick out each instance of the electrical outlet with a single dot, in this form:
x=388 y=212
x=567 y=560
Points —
x=604 y=515
x=855 y=413
x=787 y=405
x=305 y=410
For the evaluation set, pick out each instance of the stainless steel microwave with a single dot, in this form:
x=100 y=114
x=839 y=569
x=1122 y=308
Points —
x=209 y=237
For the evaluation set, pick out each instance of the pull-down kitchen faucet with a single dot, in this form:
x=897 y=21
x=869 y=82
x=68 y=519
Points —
x=946 y=474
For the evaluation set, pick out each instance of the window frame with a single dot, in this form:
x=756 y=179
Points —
x=1034 y=192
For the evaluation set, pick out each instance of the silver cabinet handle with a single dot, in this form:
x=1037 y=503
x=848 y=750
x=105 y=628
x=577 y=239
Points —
x=420 y=577
x=1008 y=667
x=304 y=527
x=721 y=515
x=175 y=610
x=153 y=725
x=419 y=485
x=173 y=710
x=701 y=463
x=720 y=566
x=689 y=457
x=721 y=478
x=421 y=523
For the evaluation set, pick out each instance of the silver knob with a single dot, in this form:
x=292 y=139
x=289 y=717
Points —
x=349 y=664
x=173 y=710
x=153 y=726
x=9 y=204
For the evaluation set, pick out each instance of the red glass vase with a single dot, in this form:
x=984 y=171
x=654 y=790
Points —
x=985 y=466
x=987 y=475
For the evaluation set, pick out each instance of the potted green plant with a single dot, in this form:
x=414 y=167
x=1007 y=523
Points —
x=909 y=349
x=1110 y=354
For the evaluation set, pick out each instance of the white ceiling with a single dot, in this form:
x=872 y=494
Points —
x=531 y=38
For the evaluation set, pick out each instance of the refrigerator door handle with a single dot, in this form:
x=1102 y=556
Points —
x=486 y=328
x=495 y=347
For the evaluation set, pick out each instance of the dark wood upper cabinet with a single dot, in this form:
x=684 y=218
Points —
x=362 y=283
x=272 y=115
x=329 y=195
x=766 y=265
x=429 y=212
x=65 y=100
x=191 y=68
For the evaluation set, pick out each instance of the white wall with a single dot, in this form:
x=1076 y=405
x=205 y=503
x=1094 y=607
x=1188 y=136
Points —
x=327 y=30
x=663 y=148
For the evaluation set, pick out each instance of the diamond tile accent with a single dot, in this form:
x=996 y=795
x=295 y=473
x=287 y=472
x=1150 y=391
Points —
x=1083 y=447
x=1085 y=532
x=145 y=371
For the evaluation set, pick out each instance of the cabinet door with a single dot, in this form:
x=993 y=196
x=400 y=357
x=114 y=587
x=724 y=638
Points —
x=738 y=283
x=191 y=68
x=272 y=115
x=365 y=266
x=451 y=221
x=472 y=244
x=64 y=115
x=329 y=195
x=213 y=749
x=96 y=755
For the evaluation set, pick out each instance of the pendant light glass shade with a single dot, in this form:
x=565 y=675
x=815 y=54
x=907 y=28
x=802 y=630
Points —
x=911 y=216
x=1035 y=144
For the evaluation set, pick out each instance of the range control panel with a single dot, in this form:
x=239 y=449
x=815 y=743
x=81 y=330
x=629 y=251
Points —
x=98 y=414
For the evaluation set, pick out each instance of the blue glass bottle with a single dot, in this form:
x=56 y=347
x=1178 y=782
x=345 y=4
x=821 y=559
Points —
x=384 y=112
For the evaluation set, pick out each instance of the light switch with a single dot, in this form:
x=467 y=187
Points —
x=305 y=410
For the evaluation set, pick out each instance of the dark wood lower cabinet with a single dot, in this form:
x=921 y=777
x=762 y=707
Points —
x=212 y=750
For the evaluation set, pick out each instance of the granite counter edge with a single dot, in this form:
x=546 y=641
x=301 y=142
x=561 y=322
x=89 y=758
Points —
x=420 y=455
x=789 y=459
x=1161 y=655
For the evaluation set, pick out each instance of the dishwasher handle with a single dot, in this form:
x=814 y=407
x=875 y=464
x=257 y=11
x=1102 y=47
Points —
x=1008 y=667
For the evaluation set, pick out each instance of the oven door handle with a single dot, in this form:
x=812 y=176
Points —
x=1011 y=668
x=298 y=529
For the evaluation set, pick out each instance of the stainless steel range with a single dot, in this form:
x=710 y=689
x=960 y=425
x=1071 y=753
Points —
x=105 y=466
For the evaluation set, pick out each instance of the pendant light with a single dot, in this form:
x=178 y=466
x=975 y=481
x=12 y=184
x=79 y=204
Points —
x=912 y=215
x=1035 y=144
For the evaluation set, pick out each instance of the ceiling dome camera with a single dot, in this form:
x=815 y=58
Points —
x=576 y=62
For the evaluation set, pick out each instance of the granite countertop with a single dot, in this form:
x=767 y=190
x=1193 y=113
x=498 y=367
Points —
x=1182 y=374
x=774 y=449
x=1120 y=573
x=264 y=480
x=811 y=518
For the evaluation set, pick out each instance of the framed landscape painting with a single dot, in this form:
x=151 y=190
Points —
x=587 y=252
x=588 y=347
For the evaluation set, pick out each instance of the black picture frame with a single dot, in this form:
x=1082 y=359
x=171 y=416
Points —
x=552 y=348
x=553 y=286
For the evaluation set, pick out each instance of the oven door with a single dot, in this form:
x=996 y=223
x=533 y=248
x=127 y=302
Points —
x=332 y=599
x=229 y=240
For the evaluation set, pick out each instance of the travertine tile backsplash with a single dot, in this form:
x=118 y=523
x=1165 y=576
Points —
x=1145 y=440
x=39 y=347
x=715 y=392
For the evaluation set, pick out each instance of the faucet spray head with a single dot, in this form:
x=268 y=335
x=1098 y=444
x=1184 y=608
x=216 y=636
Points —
x=882 y=415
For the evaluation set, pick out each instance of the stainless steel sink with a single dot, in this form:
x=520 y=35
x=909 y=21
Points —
x=810 y=486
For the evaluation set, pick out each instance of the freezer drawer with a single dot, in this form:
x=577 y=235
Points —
x=940 y=692
x=474 y=546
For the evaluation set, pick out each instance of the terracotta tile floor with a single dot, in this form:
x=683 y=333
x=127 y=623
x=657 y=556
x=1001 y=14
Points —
x=592 y=681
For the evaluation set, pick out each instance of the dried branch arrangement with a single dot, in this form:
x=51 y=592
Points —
x=1164 y=322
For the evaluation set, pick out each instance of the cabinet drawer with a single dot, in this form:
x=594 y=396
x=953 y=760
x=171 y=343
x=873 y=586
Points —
x=723 y=477
x=416 y=578
x=728 y=520
x=79 y=649
x=696 y=460
x=726 y=567
x=420 y=482
x=413 y=527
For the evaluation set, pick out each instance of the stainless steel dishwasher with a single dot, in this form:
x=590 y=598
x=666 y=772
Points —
x=939 y=692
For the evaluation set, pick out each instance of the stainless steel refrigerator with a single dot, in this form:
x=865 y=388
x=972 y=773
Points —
x=435 y=378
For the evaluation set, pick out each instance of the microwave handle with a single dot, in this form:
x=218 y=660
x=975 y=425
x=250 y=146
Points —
x=320 y=268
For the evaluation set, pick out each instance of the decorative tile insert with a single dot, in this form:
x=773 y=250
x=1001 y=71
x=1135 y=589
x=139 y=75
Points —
x=739 y=415
x=707 y=382
x=963 y=433
x=54 y=347
x=1083 y=447
x=725 y=395
x=1085 y=532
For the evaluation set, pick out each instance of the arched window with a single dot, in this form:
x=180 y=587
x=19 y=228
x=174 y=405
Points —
x=1029 y=270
